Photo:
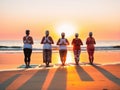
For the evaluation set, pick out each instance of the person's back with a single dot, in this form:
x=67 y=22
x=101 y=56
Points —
x=63 y=42
x=28 y=41
x=47 y=41
x=77 y=42
x=90 y=47
x=90 y=43
x=47 y=48
x=27 y=48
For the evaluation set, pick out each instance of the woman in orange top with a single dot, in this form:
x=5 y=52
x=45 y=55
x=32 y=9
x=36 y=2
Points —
x=90 y=47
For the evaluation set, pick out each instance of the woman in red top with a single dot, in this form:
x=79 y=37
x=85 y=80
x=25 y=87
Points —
x=90 y=47
x=76 y=42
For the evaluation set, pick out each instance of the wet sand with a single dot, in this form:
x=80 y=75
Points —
x=104 y=75
x=13 y=60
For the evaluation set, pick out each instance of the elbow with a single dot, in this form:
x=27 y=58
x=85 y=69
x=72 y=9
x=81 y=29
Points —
x=57 y=44
x=41 y=42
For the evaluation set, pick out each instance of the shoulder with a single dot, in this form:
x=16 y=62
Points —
x=93 y=38
x=24 y=37
x=50 y=37
x=59 y=39
x=80 y=40
x=88 y=38
x=73 y=40
x=66 y=39
x=30 y=37
x=43 y=37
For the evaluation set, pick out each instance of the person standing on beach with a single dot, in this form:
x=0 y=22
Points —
x=63 y=42
x=77 y=42
x=28 y=41
x=90 y=47
x=47 y=48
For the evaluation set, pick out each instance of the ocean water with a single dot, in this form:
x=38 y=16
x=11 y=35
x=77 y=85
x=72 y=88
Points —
x=17 y=46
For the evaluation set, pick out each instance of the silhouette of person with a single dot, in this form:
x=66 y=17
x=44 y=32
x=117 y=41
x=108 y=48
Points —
x=28 y=41
x=90 y=47
x=77 y=42
x=63 y=42
x=47 y=48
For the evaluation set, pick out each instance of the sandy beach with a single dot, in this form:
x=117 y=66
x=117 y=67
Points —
x=104 y=75
x=14 y=60
x=55 y=25
x=63 y=78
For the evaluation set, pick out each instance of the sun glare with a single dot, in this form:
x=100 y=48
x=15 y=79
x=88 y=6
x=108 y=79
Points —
x=69 y=58
x=68 y=29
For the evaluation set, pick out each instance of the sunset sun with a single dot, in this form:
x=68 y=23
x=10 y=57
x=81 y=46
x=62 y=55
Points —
x=68 y=29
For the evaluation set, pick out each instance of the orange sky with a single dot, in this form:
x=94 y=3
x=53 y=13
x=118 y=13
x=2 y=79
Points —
x=102 y=17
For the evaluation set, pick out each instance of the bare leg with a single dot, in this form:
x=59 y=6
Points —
x=90 y=57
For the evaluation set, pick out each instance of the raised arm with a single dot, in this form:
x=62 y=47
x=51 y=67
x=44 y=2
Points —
x=94 y=41
x=81 y=42
x=72 y=42
x=87 y=41
x=67 y=42
x=52 y=42
x=24 y=40
x=31 y=41
x=42 y=41
x=58 y=42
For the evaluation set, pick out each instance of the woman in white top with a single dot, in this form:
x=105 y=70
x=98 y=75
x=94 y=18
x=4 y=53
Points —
x=63 y=42
x=27 y=48
x=47 y=48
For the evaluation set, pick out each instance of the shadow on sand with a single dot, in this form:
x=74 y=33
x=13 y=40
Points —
x=84 y=76
x=108 y=75
x=36 y=81
x=61 y=77
x=6 y=83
